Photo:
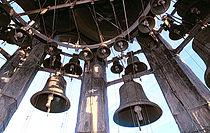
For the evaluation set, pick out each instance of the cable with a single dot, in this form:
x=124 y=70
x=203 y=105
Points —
x=126 y=19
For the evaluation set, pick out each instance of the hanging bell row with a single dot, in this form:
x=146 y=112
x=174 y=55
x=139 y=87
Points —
x=6 y=13
x=17 y=36
x=52 y=98
x=135 y=108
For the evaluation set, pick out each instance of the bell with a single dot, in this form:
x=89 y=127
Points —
x=52 y=98
x=86 y=54
x=6 y=13
x=134 y=65
x=53 y=62
x=16 y=36
x=159 y=6
x=201 y=45
x=135 y=109
x=103 y=51
x=146 y=24
x=120 y=44
x=73 y=67
x=177 y=32
x=51 y=49
x=117 y=67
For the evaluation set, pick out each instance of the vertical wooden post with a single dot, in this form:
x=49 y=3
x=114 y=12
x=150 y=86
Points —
x=187 y=97
x=93 y=105
x=9 y=68
x=14 y=90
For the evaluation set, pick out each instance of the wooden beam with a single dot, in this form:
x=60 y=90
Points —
x=4 y=53
x=14 y=90
x=187 y=97
x=92 y=114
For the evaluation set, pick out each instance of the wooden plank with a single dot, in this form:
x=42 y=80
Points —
x=186 y=95
x=14 y=90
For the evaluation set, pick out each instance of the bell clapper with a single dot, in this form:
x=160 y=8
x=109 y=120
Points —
x=49 y=100
x=18 y=35
x=137 y=110
x=85 y=55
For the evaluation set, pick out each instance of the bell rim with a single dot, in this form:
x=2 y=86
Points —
x=207 y=77
x=49 y=92
x=154 y=105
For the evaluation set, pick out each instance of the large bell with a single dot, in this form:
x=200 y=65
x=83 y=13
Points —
x=52 y=98
x=120 y=44
x=135 y=108
x=134 y=65
x=177 y=32
x=6 y=13
x=103 y=51
x=146 y=24
x=159 y=6
x=117 y=67
x=201 y=45
x=52 y=49
x=86 y=54
x=73 y=67
x=53 y=62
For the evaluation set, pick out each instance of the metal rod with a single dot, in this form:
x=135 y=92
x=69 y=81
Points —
x=49 y=8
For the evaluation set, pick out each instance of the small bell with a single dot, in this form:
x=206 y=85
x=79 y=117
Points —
x=120 y=44
x=73 y=67
x=135 y=108
x=146 y=24
x=51 y=49
x=134 y=65
x=53 y=62
x=103 y=51
x=117 y=67
x=159 y=6
x=52 y=98
x=86 y=54
x=6 y=13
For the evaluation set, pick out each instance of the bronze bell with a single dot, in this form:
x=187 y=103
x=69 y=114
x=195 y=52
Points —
x=53 y=62
x=6 y=12
x=146 y=24
x=73 y=67
x=103 y=51
x=177 y=32
x=120 y=44
x=86 y=54
x=159 y=6
x=134 y=65
x=117 y=67
x=201 y=45
x=51 y=49
x=135 y=108
x=52 y=98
